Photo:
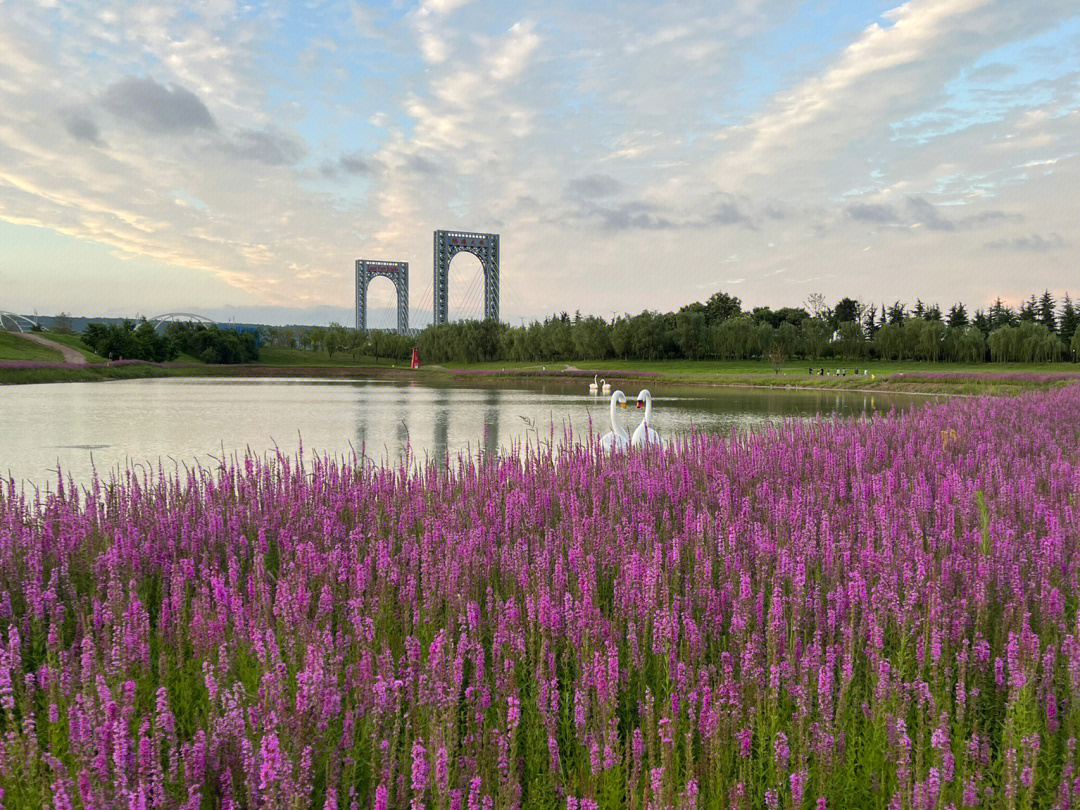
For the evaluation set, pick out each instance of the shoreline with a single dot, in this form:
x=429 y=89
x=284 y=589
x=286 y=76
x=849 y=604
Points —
x=917 y=383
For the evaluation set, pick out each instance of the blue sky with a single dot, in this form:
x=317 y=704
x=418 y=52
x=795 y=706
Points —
x=236 y=158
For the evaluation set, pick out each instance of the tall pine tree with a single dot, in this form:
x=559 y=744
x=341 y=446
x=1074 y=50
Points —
x=1000 y=315
x=1070 y=321
x=958 y=315
x=1046 y=311
x=1029 y=310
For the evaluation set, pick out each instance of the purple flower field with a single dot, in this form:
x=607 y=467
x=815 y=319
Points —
x=873 y=613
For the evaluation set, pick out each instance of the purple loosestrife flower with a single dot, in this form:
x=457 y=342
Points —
x=781 y=751
x=419 y=772
x=272 y=767
x=797 y=781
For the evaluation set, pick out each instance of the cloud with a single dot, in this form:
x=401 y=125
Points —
x=634 y=215
x=83 y=129
x=921 y=212
x=1034 y=242
x=432 y=32
x=991 y=217
x=516 y=51
x=271 y=148
x=351 y=163
x=421 y=165
x=590 y=138
x=593 y=186
x=727 y=212
x=354 y=163
x=156 y=108
x=880 y=214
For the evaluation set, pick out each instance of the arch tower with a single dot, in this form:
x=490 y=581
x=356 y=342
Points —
x=397 y=272
x=485 y=247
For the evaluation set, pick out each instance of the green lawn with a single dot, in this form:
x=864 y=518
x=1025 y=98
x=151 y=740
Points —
x=792 y=369
x=13 y=347
x=76 y=343
x=275 y=356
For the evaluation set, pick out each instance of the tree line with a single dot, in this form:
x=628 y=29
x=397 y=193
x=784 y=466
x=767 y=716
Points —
x=1038 y=331
x=720 y=328
x=129 y=340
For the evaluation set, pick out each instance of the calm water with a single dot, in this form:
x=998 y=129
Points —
x=79 y=426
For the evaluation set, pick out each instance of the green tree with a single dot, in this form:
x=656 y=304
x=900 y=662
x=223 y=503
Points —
x=786 y=339
x=645 y=336
x=763 y=338
x=889 y=341
x=1004 y=344
x=850 y=342
x=1037 y=344
x=1000 y=315
x=847 y=309
x=957 y=316
x=1046 y=311
x=1070 y=320
x=335 y=339
x=621 y=333
x=930 y=337
x=870 y=325
x=62 y=324
x=735 y=338
x=972 y=346
x=722 y=306
x=690 y=332
x=815 y=335
x=912 y=331
x=1029 y=310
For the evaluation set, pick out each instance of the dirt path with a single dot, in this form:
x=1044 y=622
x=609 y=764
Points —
x=70 y=355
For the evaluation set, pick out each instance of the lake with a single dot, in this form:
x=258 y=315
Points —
x=82 y=426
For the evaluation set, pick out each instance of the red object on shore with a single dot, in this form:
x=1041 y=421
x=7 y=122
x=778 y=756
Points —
x=415 y=358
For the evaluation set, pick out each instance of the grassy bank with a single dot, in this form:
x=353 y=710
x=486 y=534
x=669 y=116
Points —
x=946 y=378
x=275 y=356
x=75 y=342
x=23 y=372
x=13 y=347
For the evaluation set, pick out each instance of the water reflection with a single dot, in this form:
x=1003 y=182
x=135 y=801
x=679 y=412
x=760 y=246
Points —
x=441 y=436
x=79 y=425
x=491 y=422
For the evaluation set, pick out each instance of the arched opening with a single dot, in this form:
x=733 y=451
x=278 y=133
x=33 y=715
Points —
x=465 y=288
x=382 y=304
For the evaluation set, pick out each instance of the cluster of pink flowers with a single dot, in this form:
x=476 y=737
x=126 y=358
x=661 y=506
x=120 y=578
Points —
x=865 y=613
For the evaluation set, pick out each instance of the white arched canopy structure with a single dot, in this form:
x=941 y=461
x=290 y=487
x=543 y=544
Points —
x=12 y=322
x=168 y=317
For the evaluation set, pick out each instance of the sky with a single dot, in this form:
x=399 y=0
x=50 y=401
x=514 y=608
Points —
x=235 y=159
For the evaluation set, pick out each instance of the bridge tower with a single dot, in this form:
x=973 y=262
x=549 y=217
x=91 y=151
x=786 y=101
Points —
x=485 y=247
x=397 y=272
